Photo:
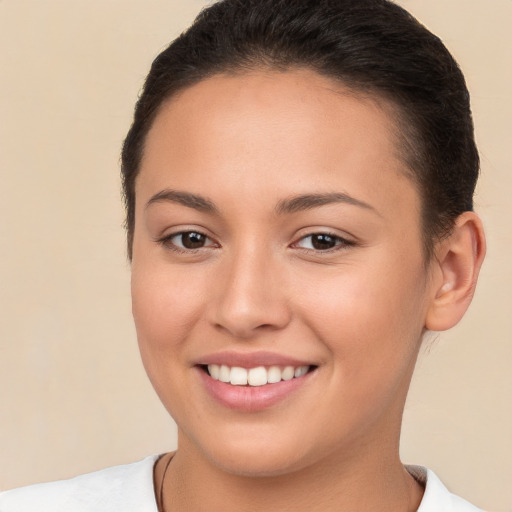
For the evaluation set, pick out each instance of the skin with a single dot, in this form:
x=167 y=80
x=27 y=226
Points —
x=247 y=143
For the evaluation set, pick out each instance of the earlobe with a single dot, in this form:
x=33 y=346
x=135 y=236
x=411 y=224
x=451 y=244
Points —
x=457 y=264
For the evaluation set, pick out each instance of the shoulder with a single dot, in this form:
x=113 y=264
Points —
x=126 y=487
x=437 y=497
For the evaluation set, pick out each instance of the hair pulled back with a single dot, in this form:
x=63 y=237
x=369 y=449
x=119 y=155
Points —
x=373 y=47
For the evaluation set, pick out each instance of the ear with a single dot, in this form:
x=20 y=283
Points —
x=457 y=262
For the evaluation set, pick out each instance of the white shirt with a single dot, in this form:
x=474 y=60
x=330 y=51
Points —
x=129 y=488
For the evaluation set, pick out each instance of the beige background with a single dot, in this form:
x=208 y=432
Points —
x=73 y=394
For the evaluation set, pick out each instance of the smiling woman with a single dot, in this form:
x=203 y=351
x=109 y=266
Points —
x=286 y=275
x=298 y=181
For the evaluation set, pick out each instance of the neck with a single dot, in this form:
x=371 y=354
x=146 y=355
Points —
x=340 y=482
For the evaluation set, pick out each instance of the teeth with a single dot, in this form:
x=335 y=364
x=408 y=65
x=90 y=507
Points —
x=238 y=376
x=288 y=373
x=274 y=374
x=224 y=373
x=214 y=370
x=300 y=371
x=258 y=376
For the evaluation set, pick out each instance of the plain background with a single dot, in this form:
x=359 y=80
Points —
x=73 y=394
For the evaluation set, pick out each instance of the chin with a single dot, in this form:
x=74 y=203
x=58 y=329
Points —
x=257 y=457
x=259 y=466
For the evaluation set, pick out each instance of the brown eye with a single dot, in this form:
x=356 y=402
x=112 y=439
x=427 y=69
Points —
x=190 y=240
x=187 y=240
x=322 y=242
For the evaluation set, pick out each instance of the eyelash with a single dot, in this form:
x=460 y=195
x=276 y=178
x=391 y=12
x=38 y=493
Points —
x=340 y=242
x=168 y=243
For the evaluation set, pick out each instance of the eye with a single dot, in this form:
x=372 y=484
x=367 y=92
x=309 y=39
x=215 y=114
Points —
x=187 y=240
x=322 y=242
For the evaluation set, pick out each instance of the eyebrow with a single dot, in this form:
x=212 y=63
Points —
x=309 y=201
x=286 y=206
x=184 y=198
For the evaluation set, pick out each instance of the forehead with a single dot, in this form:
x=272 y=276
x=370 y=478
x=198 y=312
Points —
x=284 y=130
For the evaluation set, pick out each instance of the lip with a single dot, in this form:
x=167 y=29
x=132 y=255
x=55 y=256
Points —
x=252 y=398
x=251 y=360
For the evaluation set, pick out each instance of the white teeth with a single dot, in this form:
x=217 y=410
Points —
x=288 y=373
x=274 y=374
x=224 y=373
x=238 y=376
x=300 y=371
x=214 y=370
x=258 y=376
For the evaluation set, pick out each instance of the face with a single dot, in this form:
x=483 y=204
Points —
x=278 y=280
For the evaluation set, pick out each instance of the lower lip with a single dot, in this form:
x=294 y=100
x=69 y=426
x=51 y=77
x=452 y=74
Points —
x=251 y=398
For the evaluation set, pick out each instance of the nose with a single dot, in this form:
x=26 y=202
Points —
x=251 y=296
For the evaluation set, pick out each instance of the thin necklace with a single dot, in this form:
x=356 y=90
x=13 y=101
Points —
x=161 y=493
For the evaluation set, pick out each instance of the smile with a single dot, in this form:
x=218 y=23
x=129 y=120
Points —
x=257 y=376
x=253 y=382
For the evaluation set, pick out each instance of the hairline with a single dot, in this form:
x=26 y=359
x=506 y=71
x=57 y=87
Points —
x=404 y=135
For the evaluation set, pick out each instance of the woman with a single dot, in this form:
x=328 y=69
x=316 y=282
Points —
x=298 y=181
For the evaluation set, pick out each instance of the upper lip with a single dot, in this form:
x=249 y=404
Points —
x=251 y=359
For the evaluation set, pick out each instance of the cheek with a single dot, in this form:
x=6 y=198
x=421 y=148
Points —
x=368 y=319
x=372 y=330
x=165 y=306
